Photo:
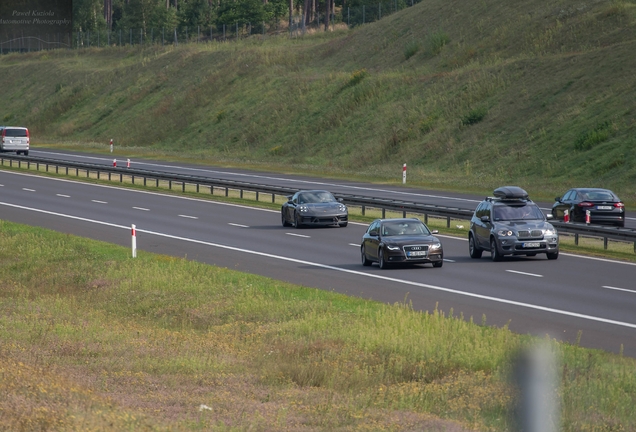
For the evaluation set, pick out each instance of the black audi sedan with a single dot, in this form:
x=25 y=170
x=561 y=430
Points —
x=314 y=208
x=406 y=241
x=603 y=204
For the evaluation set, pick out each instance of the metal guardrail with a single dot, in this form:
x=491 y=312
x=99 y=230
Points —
x=577 y=229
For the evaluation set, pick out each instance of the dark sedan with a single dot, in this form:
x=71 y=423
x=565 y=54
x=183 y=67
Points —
x=314 y=208
x=394 y=241
x=603 y=204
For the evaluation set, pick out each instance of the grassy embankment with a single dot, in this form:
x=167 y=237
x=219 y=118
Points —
x=545 y=90
x=95 y=340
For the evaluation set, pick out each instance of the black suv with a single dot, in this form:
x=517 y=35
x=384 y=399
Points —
x=510 y=223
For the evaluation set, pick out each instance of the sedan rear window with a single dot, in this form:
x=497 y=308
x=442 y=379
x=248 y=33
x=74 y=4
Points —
x=598 y=196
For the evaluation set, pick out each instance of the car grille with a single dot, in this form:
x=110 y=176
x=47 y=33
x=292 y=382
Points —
x=530 y=234
x=420 y=250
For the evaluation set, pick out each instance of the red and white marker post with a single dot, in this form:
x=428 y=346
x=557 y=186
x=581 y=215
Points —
x=128 y=164
x=404 y=174
x=566 y=216
x=134 y=241
x=114 y=162
x=587 y=216
x=111 y=145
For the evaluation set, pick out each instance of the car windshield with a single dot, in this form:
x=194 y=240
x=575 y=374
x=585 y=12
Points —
x=598 y=195
x=517 y=212
x=408 y=228
x=316 y=197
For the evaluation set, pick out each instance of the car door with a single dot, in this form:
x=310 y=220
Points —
x=483 y=224
x=563 y=204
x=372 y=240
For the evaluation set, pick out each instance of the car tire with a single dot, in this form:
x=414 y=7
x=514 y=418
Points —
x=438 y=264
x=283 y=220
x=552 y=255
x=473 y=249
x=494 y=252
x=297 y=223
x=365 y=261
x=381 y=261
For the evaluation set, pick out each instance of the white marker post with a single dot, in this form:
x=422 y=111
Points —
x=404 y=174
x=114 y=162
x=587 y=216
x=128 y=164
x=134 y=241
x=111 y=145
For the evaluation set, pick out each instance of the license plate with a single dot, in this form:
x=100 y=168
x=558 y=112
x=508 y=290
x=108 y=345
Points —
x=417 y=253
x=531 y=245
x=604 y=207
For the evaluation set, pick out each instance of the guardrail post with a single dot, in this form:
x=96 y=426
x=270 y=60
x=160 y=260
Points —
x=383 y=212
x=145 y=180
x=121 y=178
x=170 y=184
x=273 y=198
x=404 y=214
x=426 y=218
x=362 y=210
x=447 y=221
x=241 y=193
x=576 y=239
x=182 y=186
x=197 y=183
x=605 y=243
x=157 y=182
x=256 y=195
x=226 y=191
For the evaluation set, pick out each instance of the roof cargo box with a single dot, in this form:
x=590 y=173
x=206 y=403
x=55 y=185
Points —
x=510 y=192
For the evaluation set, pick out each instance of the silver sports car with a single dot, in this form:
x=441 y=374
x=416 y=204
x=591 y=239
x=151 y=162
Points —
x=314 y=208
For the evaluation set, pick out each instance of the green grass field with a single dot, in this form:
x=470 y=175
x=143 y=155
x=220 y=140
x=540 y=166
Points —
x=471 y=96
x=95 y=340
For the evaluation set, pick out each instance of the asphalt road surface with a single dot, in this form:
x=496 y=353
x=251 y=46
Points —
x=573 y=294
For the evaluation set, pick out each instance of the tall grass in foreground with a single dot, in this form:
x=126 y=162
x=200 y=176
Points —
x=94 y=340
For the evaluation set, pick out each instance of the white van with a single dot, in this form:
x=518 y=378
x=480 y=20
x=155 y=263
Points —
x=14 y=138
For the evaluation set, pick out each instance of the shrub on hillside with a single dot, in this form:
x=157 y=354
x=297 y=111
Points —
x=474 y=116
x=356 y=78
x=411 y=49
x=437 y=41
x=589 y=139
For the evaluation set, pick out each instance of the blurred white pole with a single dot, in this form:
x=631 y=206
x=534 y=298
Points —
x=536 y=377
x=134 y=241
x=404 y=174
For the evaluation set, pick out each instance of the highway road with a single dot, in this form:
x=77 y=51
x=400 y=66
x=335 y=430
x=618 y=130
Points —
x=447 y=199
x=561 y=298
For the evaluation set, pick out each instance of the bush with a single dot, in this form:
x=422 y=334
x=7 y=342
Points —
x=356 y=78
x=474 y=116
x=589 y=139
x=411 y=49
x=437 y=41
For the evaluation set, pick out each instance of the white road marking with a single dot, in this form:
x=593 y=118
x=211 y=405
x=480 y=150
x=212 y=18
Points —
x=524 y=273
x=188 y=217
x=239 y=225
x=99 y=202
x=449 y=260
x=354 y=244
x=298 y=235
x=619 y=289
x=141 y=208
x=28 y=190
x=1 y=185
x=63 y=196
x=343 y=270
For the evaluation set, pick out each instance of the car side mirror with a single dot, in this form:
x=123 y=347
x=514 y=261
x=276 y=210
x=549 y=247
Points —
x=340 y=199
x=435 y=232
x=373 y=233
x=290 y=202
x=558 y=199
x=549 y=216
x=485 y=218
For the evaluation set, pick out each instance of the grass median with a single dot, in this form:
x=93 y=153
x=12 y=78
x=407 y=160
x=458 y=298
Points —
x=95 y=340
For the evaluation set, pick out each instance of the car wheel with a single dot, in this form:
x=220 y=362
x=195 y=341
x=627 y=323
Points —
x=365 y=260
x=473 y=249
x=494 y=252
x=283 y=220
x=553 y=255
x=438 y=264
x=297 y=223
x=381 y=262
x=343 y=224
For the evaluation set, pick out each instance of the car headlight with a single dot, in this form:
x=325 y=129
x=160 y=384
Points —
x=342 y=208
x=549 y=232
x=505 y=233
x=303 y=208
x=435 y=246
x=393 y=248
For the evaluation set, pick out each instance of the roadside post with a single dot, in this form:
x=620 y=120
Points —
x=134 y=241
x=404 y=174
x=114 y=162
x=587 y=216
x=566 y=216
x=111 y=145
x=128 y=164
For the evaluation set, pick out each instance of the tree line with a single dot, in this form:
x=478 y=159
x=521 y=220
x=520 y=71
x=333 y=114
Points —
x=101 y=15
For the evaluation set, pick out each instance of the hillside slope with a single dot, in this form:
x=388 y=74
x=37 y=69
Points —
x=545 y=89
